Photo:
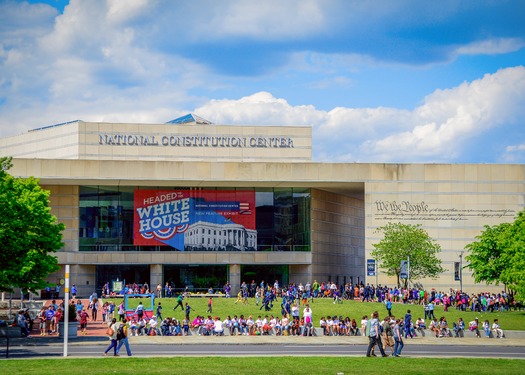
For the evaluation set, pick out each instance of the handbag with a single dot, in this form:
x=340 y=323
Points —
x=110 y=331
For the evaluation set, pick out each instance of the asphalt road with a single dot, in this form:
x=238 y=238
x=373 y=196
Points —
x=153 y=350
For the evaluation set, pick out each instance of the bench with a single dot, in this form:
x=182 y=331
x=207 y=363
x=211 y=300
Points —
x=7 y=333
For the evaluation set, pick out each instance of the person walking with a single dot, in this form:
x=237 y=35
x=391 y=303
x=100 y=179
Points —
x=83 y=320
x=121 y=310
x=21 y=322
x=159 y=312
x=388 y=335
x=139 y=311
x=187 y=310
x=374 y=336
x=122 y=337
x=73 y=291
x=407 y=324
x=398 y=338
x=112 y=334
x=388 y=306
x=179 y=302
x=94 y=309
x=210 y=305
x=430 y=307
x=49 y=316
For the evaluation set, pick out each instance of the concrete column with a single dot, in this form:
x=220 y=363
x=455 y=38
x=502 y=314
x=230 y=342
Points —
x=155 y=275
x=300 y=273
x=235 y=278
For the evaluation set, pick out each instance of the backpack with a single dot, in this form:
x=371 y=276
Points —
x=121 y=334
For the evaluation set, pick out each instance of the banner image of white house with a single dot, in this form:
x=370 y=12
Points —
x=197 y=220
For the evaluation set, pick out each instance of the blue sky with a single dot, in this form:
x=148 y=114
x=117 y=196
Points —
x=378 y=81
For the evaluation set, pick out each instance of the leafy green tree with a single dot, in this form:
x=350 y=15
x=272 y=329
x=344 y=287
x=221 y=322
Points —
x=498 y=255
x=485 y=255
x=514 y=256
x=29 y=234
x=402 y=241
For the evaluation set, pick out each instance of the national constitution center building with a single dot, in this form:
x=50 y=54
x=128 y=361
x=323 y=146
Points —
x=195 y=203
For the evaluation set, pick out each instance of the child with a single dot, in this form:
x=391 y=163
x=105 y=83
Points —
x=83 y=319
x=486 y=328
x=210 y=305
x=104 y=311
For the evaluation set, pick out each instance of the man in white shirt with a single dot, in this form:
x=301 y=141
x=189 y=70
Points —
x=153 y=326
x=218 y=327
x=498 y=332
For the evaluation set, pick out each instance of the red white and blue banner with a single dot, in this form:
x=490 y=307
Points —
x=195 y=219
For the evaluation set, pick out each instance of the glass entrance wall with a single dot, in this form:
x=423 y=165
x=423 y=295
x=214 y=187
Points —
x=198 y=278
x=268 y=274
x=128 y=274
x=282 y=220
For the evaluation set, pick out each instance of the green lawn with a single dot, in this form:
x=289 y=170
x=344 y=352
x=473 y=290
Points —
x=222 y=307
x=262 y=365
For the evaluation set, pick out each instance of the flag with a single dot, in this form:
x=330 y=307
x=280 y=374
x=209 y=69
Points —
x=244 y=208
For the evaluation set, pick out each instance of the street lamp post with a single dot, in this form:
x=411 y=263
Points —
x=376 y=271
x=408 y=272
x=461 y=271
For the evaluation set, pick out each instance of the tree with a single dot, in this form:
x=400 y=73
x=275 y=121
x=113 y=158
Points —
x=402 y=241
x=29 y=234
x=485 y=254
x=514 y=256
x=498 y=255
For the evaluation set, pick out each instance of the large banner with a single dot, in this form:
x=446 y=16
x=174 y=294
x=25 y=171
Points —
x=195 y=219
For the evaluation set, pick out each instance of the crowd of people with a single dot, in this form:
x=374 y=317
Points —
x=49 y=318
x=293 y=297
x=267 y=293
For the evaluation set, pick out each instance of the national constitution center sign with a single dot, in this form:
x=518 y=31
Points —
x=206 y=220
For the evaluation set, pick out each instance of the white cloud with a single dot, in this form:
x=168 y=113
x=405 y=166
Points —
x=514 y=154
x=270 y=19
x=492 y=46
x=123 y=11
x=100 y=61
x=259 y=108
x=437 y=130
x=449 y=119
x=515 y=148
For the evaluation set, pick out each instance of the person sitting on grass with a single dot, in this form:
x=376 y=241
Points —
x=277 y=326
x=474 y=327
x=218 y=327
x=196 y=325
x=434 y=327
x=443 y=326
x=22 y=323
x=421 y=326
x=133 y=327
x=208 y=326
x=459 y=328
x=498 y=332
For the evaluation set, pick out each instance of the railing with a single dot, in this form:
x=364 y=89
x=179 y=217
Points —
x=265 y=248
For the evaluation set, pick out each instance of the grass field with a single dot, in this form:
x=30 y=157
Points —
x=262 y=366
x=509 y=320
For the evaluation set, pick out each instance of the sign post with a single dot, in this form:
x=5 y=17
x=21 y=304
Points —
x=371 y=268
x=66 y=310
x=405 y=270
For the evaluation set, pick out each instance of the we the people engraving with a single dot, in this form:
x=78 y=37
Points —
x=407 y=210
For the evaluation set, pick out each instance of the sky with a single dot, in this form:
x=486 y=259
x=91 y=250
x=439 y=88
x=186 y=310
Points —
x=406 y=81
